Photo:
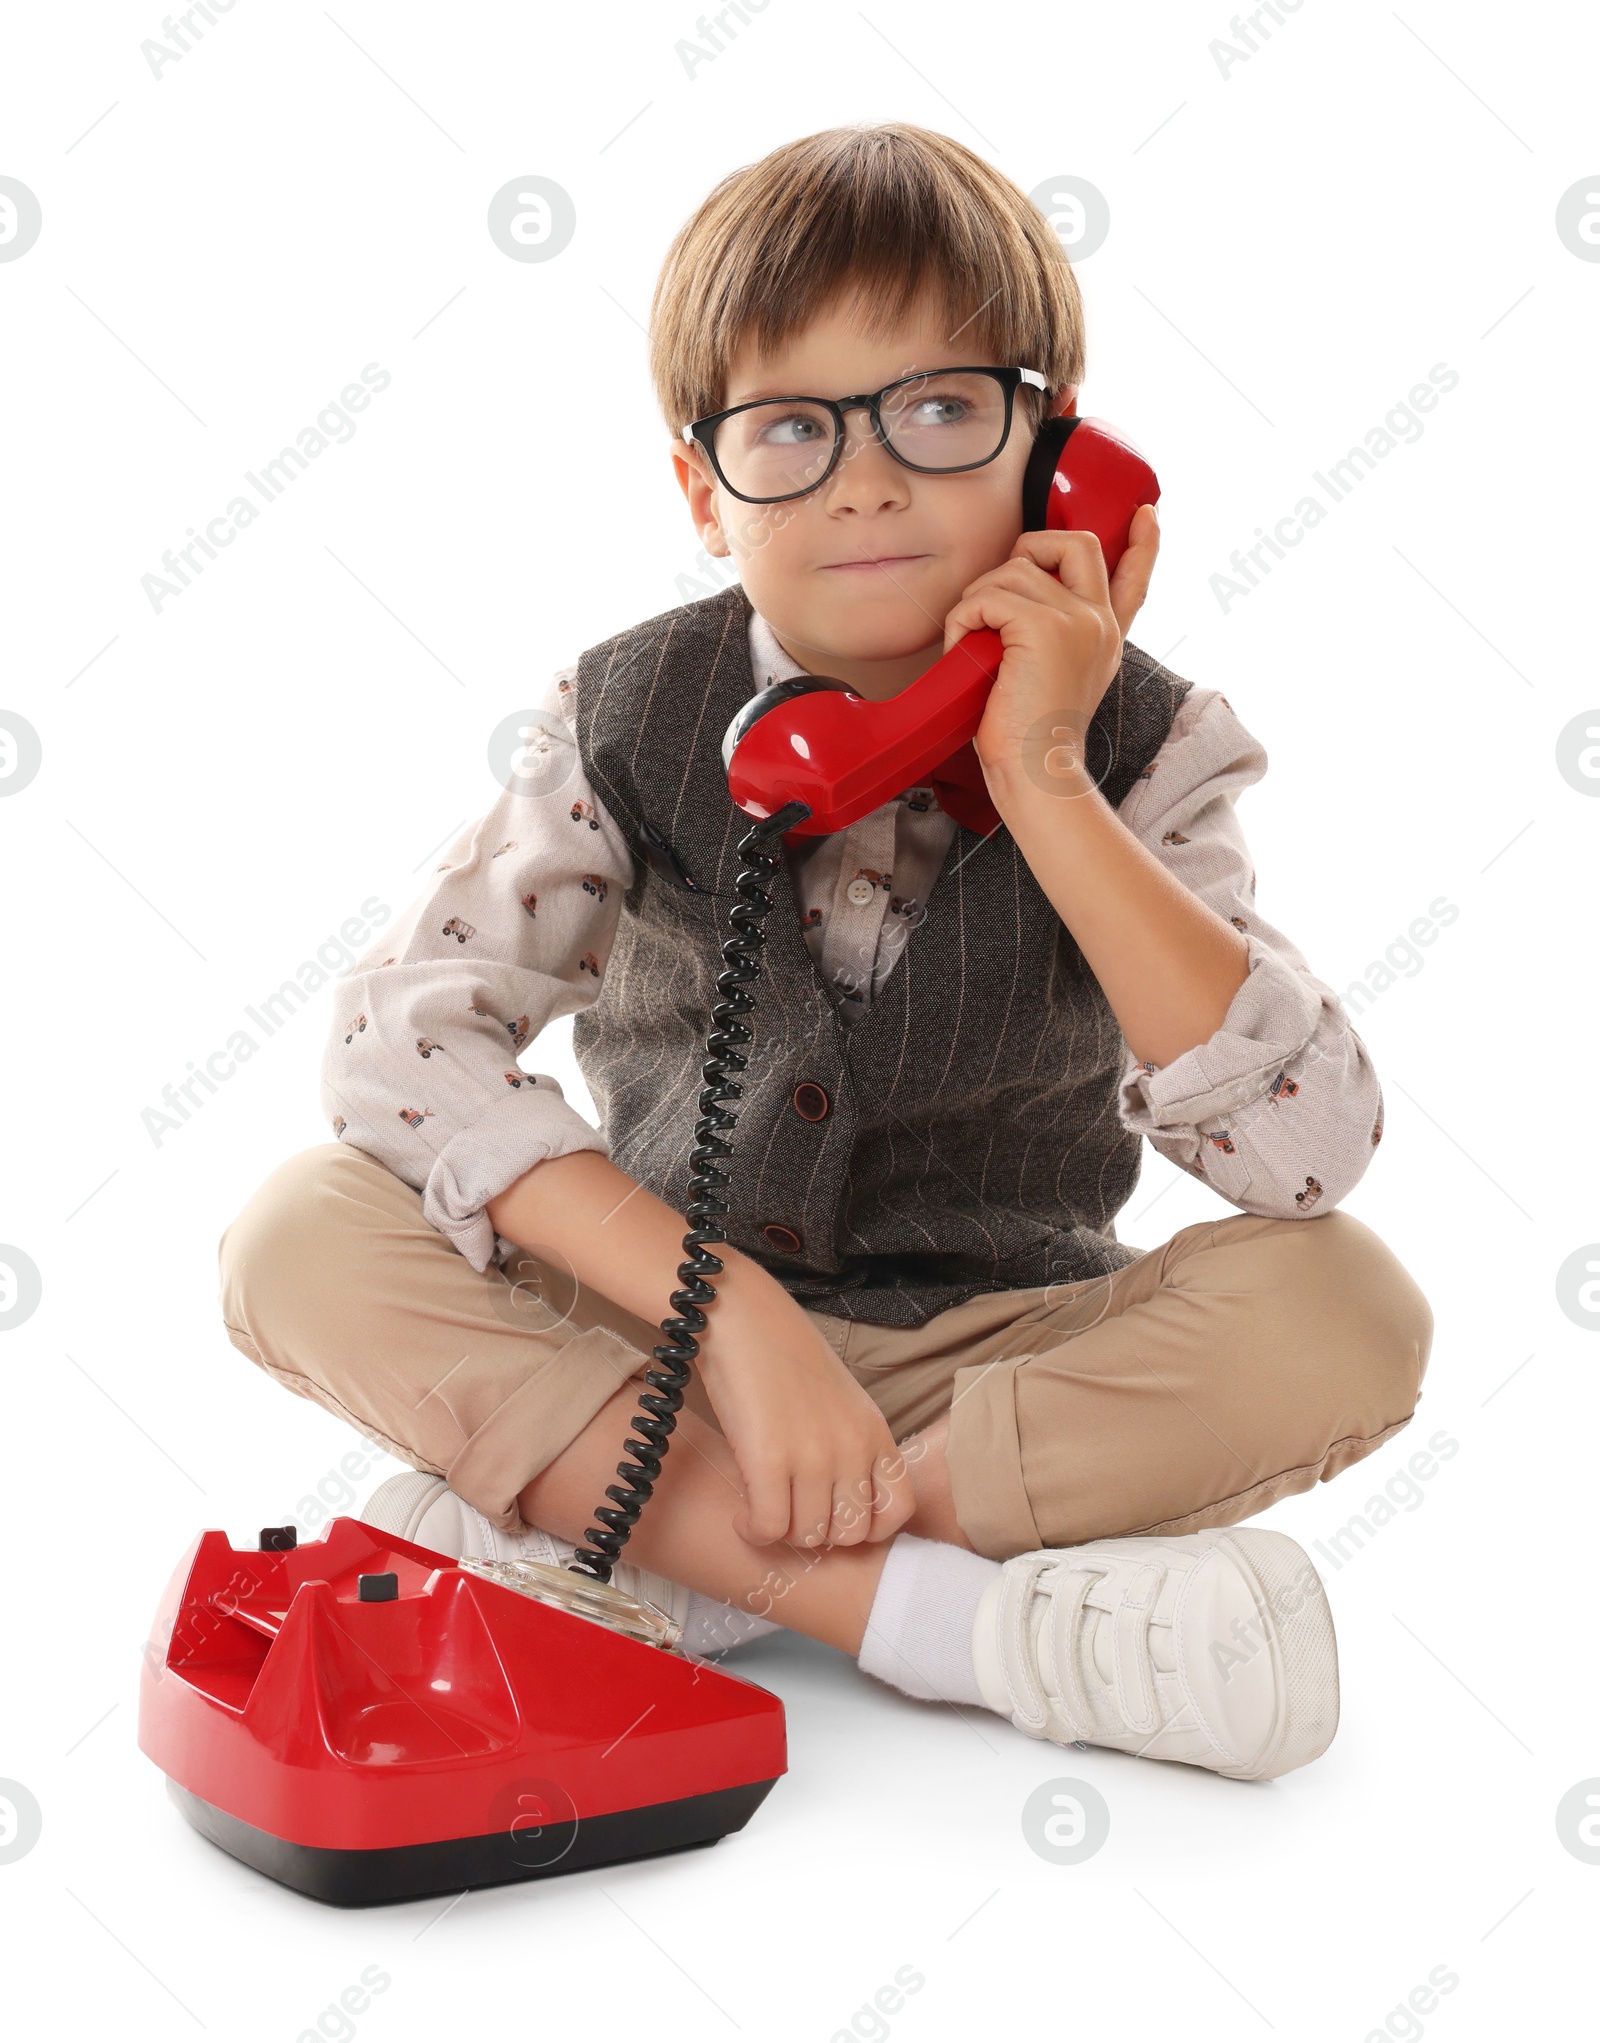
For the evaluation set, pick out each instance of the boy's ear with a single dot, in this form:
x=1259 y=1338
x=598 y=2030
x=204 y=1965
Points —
x=1064 y=405
x=688 y=465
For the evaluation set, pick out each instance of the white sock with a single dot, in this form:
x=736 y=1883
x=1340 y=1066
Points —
x=713 y=1627
x=919 y=1630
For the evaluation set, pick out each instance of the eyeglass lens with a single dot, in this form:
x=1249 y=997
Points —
x=935 y=422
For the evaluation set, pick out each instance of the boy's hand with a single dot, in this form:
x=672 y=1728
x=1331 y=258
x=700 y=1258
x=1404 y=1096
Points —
x=1062 y=626
x=818 y=1462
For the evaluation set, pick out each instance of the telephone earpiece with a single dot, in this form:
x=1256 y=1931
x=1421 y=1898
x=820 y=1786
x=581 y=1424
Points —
x=816 y=741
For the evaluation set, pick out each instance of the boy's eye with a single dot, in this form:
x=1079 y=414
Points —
x=938 y=411
x=794 y=429
x=952 y=404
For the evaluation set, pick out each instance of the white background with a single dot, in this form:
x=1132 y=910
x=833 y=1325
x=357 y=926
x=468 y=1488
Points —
x=1292 y=247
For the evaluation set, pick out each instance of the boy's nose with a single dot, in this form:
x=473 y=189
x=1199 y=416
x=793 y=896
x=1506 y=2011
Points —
x=865 y=466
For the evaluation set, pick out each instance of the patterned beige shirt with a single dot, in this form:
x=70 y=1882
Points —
x=1279 y=1111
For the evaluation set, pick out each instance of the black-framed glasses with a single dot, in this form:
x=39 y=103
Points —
x=938 y=422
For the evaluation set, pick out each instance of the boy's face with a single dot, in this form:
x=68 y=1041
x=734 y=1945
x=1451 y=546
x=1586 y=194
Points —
x=856 y=579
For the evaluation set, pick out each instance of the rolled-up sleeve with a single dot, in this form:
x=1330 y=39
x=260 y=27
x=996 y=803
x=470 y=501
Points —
x=421 y=1070
x=1280 y=1109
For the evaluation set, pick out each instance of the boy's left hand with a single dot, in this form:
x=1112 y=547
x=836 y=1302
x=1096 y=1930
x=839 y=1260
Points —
x=1062 y=626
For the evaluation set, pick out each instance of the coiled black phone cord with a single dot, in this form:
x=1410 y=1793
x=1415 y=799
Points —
x=660 y=1404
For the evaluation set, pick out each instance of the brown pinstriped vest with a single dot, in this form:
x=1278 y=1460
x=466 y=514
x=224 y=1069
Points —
x=963 y=1135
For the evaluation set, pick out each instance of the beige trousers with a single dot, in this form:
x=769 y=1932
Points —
x=1243 y=1360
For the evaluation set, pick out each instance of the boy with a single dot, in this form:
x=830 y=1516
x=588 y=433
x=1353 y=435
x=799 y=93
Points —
x=941 y=1418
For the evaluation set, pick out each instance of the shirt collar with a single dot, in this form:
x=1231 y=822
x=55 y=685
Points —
x=768 y=660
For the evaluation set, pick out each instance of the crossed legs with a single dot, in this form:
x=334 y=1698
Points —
x=1242 y=1361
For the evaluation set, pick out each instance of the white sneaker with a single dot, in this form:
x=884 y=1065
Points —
x=1215 y=1648
x=424 y=1508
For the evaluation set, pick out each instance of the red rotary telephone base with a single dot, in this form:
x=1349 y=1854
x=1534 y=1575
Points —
x=366 y=1720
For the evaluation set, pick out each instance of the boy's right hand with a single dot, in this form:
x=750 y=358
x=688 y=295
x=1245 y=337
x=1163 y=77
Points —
x=818 y=1462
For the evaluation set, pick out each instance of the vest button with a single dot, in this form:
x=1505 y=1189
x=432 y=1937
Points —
x=810 y=1102
x=783 y=1239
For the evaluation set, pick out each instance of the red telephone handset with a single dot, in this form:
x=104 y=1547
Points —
x=815 y=740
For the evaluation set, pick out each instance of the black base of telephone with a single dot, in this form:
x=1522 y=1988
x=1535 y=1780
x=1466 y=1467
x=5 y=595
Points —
x=356 y=1879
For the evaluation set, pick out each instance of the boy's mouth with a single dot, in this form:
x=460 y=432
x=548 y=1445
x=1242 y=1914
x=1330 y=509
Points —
x=888 y=560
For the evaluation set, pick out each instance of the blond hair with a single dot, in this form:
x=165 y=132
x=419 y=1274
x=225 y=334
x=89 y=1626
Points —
x=888 y=209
